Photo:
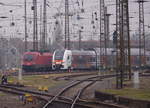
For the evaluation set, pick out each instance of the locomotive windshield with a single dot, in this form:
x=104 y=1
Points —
x=28 y=57
x=59 y=54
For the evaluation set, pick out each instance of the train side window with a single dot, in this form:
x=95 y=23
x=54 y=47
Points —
x=92 y=59
x=148 y=58
x=81 y=59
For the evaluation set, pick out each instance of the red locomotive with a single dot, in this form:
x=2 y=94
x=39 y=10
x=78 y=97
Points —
x=37 y=61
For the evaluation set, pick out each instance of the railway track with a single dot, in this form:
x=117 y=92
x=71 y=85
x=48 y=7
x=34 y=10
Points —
x=39 y=95
x=76 y=98
x=52 y=72
x=21 y=91
x=68 y=77
x=61 y=99
x=72 y=84
x=80 y=93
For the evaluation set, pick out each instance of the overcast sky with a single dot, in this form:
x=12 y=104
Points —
x=58 y=5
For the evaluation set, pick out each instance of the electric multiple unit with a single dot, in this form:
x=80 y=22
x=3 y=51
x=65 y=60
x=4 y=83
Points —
x=85 y=59
x=74 y=59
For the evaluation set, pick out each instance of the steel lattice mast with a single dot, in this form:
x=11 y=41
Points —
x=105 y=36
x=35 y=30
x=102 y=31
x=41 y=30
x=44 y=36
x=25 y=19
x=67 y=37
x=126 y=35
x=128 y=39
x=117 y=40
x=141 y=33
x=123 y=41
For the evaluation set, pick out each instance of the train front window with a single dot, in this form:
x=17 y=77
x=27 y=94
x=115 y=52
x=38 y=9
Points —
x=28 y=57
x=59 y=55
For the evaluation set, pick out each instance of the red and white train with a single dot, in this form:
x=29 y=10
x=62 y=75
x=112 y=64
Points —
x=76 y=59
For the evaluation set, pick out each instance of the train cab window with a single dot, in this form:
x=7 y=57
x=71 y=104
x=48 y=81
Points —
x=28 y=57
x=69 y=57
x=59 y=55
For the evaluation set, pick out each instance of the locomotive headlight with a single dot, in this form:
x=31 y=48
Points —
x=59 y=62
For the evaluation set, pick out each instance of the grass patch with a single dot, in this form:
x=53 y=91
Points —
x=131 y=93
x=38 y=80
x=2 y=94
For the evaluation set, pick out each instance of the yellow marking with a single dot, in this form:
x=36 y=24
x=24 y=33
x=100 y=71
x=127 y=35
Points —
x=10 y=82
x=45 y=88
x=40 y=88
x=27 y=95
x=46 y=77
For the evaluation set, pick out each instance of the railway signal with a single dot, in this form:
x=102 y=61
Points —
x=80 y=39
x=115 y=38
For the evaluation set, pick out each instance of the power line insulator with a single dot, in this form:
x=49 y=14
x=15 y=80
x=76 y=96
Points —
x=32 y=8
x=82 y=10
x=93 y=27
x=12 y=24
x=11 y=11
x=92 y=22
x=56 y=22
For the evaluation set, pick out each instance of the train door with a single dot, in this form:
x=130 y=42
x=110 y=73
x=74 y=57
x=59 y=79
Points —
x=69 y=58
